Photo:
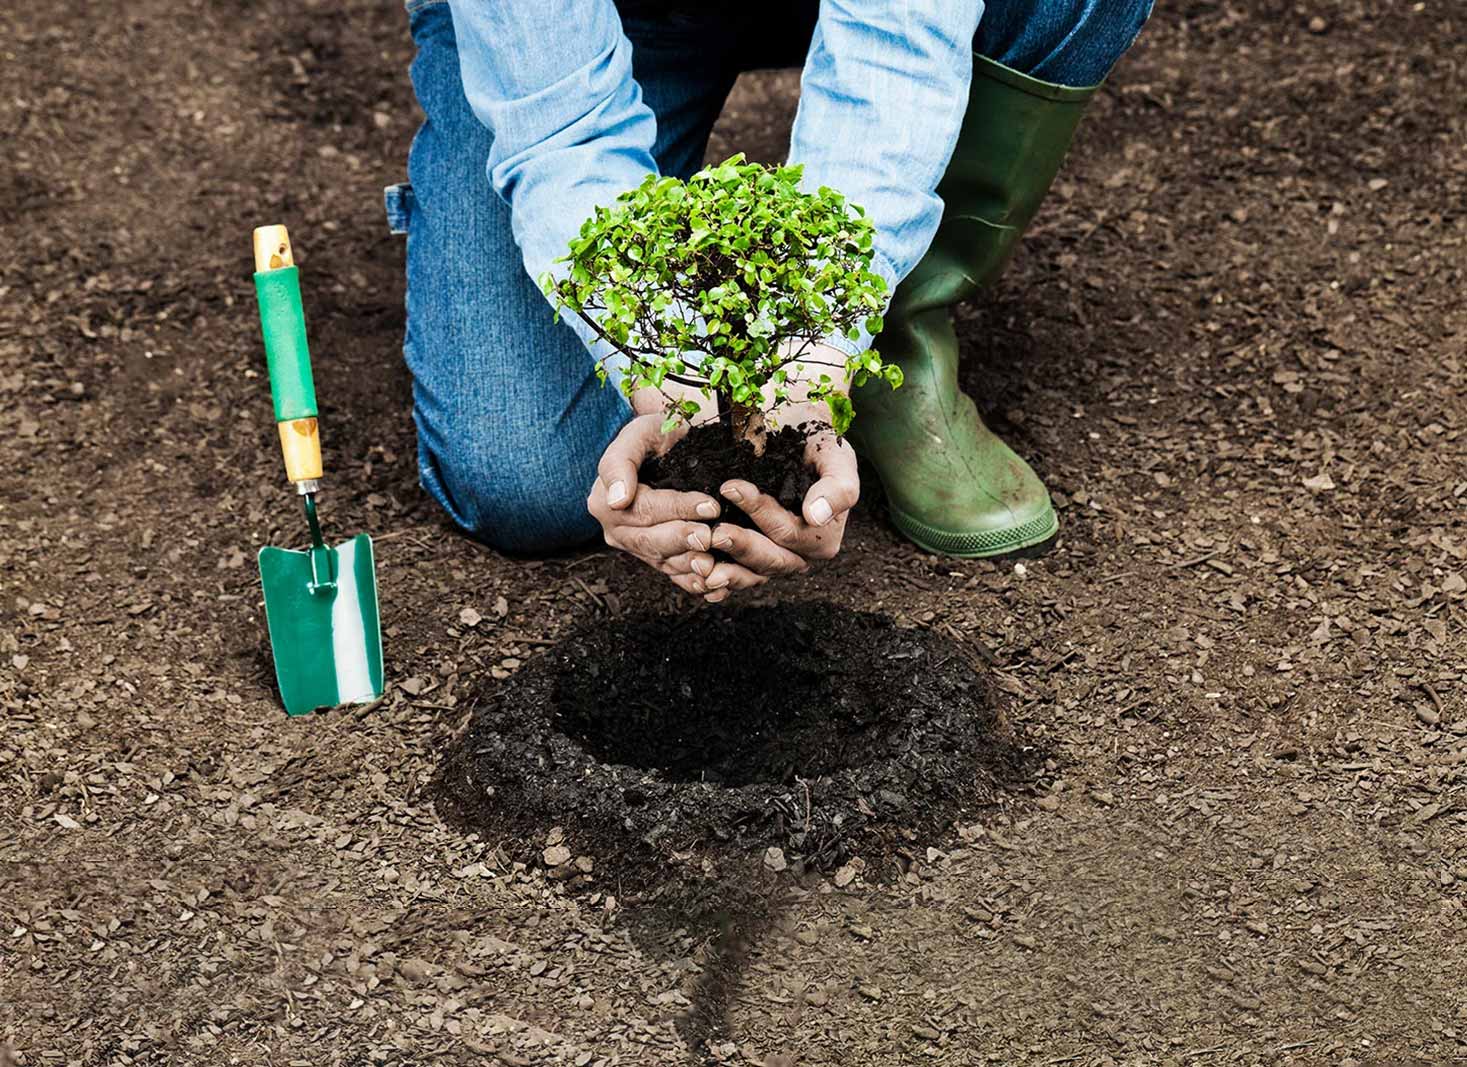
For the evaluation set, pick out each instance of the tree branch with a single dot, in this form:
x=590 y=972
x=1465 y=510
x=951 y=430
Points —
x=633 y=355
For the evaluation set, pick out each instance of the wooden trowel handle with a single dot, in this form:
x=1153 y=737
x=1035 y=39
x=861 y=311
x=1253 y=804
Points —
x=272 y=248
x=283 y=325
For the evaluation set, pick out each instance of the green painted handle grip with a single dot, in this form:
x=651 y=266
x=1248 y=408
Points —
x=283 y=324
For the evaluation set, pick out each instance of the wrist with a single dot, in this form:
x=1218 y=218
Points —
x=822 y=367
x=652 y=401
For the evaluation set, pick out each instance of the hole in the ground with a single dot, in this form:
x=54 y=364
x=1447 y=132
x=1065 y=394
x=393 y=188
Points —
x=806 y=725
x=716 y=700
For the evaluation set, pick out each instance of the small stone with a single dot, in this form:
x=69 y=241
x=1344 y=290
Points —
x=774 y=858
x=845 y=876
x=555 y=855
x=469 y=617
x=1318 y=25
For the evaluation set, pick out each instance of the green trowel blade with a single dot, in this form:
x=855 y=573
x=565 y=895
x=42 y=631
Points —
x=326 y=637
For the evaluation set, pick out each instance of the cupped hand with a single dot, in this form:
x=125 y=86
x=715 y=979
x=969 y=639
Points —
x=782 y=542
x=666 y=529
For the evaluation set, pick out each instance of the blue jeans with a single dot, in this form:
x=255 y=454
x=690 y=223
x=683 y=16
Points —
x=510 y=416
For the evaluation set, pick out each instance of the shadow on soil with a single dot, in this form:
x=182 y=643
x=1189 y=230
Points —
x=702 y=766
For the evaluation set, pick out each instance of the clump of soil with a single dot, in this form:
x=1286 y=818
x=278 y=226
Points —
x=709 y=456
x=824 y=731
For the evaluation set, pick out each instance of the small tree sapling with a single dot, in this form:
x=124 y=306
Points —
x=726 y=283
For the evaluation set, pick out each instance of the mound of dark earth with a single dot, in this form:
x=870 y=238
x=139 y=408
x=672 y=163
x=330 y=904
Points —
x=823 y=731
x=707 y=457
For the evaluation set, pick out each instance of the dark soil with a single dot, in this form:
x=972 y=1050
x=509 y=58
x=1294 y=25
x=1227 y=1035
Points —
x=1234 y=345
x=823 y=731
x=709 y=456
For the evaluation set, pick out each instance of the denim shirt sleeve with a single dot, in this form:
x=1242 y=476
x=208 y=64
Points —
x=882 y=99
x=553 y=83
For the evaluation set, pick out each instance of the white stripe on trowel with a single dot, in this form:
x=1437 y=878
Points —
x=348 y=639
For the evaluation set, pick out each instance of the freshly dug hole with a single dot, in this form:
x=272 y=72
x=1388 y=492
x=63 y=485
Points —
x=825 y=731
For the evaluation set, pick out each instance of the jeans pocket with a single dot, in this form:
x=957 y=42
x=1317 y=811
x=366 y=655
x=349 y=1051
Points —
x=398 y=201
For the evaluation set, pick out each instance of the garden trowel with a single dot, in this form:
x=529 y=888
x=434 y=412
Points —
x=321 y=604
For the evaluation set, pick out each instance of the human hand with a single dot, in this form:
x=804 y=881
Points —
x=783 y=543
x=664 y=528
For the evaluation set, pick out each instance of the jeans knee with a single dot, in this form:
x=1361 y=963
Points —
x=1068 y=42
x=1103 y=31
x=519 y=497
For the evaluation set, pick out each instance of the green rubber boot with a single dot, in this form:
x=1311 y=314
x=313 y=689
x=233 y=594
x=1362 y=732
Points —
x=952 y=486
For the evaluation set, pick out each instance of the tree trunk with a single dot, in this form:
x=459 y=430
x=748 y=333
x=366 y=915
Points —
x=748 y=425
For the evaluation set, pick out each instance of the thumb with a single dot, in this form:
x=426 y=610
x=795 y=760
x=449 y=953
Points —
x=839 y=486
x=638 y=439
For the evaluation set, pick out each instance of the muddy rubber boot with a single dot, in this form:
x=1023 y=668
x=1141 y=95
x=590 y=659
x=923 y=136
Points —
x=952 y=486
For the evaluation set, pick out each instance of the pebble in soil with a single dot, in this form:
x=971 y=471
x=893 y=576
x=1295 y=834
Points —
x=820 y=730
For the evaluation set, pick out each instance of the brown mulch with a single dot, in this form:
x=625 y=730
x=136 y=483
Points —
x=1234 y=344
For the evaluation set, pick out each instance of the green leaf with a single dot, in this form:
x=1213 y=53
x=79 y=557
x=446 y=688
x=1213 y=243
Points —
x=708 y=278
x=842 y=413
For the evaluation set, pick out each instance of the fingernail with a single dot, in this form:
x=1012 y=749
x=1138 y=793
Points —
x=698 y=586
x=820 y=511
x=616 y=493
x=723 y=541
x=708 y=509
x=703 y=567
x=717 y=583
x=730 y=493
x=695 y=542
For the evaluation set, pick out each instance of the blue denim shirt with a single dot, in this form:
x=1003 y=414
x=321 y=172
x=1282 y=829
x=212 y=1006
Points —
x=883 y=93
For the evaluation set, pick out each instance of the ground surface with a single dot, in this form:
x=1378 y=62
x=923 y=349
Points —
x=1234 y=344
x=661 y=739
